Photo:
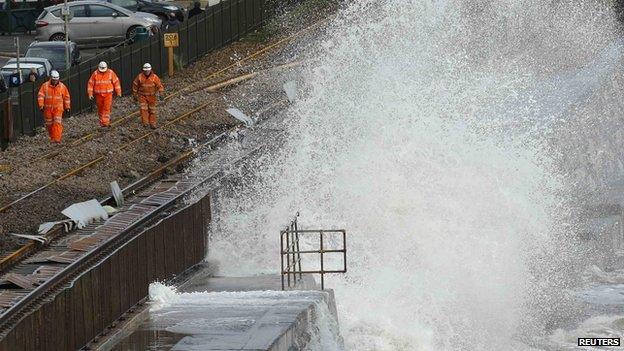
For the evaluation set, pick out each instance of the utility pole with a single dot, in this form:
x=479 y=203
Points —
x=65 y=13
x=17 y=58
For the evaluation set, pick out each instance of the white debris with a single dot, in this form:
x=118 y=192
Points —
x=110 y=210
x=38 y=238
x=85 y=212
x=117 y=193
x=290 y=88
x=44 y=228
x=68 y=225
x=239 y=115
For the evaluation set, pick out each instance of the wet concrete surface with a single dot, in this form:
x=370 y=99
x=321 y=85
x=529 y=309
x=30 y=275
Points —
x=149 y=340
x=227 y=313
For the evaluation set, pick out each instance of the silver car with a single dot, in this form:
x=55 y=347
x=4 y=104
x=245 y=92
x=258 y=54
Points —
x=94 y=23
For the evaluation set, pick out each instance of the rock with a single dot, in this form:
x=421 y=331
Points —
x=130 y=174
x=163 y=159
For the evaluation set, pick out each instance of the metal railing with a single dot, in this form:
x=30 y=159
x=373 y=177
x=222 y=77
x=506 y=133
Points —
x=292 y=272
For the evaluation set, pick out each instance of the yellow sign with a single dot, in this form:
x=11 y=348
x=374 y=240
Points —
x=172 y=40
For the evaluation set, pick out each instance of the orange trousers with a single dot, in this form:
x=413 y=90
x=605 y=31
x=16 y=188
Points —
x=104 y=103
x=148 y=109
x=55 y=129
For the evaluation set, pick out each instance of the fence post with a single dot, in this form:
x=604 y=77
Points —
x=5 y=114
x=33 y=109
x=10 y=17
x=20 y=109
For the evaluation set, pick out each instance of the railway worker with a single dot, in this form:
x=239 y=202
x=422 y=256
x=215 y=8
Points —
x=53 y=99
x=102 y=84
x=146 y=88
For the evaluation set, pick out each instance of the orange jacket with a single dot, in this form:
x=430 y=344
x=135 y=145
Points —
x=103 y=83
x=147 y=86
x=53 y=98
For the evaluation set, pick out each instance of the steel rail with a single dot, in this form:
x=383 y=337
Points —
x=33 y=246
x=94 y=257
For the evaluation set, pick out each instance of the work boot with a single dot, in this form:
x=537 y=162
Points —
x=153 y=126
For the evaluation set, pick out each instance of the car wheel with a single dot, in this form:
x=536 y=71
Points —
x=57 y=37
x=131 y=32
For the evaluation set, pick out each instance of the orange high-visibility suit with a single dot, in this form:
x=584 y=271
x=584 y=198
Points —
x=101 y=85
x=145 y=88
x=53 y=100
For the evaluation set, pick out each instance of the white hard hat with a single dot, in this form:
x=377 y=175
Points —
x=102 y=67
x=147 y=67
x=54 y=75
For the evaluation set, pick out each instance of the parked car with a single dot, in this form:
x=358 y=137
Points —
x=159 y=8
x=54 y=51
x=10 y=74
x=94 y=23
x=47 y=66
x=9 y=71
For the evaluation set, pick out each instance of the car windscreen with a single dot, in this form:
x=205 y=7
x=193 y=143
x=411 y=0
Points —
x=56 y=56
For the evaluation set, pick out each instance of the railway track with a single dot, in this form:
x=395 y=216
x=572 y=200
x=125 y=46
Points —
x=106 y=155
x=205 y=84
x=69 y=256
x=10 y=259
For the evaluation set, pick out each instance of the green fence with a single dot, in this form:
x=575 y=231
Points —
x=20 y=20
x=20 y=16
x=216 y=27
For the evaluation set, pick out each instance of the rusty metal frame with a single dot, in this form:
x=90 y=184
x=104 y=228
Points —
x=290 y=252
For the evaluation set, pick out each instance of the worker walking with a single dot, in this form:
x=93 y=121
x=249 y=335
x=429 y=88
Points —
x=53 y=99
x=146 y=88
x=102 y=84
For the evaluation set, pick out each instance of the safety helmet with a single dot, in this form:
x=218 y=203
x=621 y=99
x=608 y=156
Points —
x=147 y=67
x=55 y=75
x=102 y=67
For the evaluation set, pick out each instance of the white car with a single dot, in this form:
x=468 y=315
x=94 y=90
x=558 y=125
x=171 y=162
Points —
x=40 y=65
